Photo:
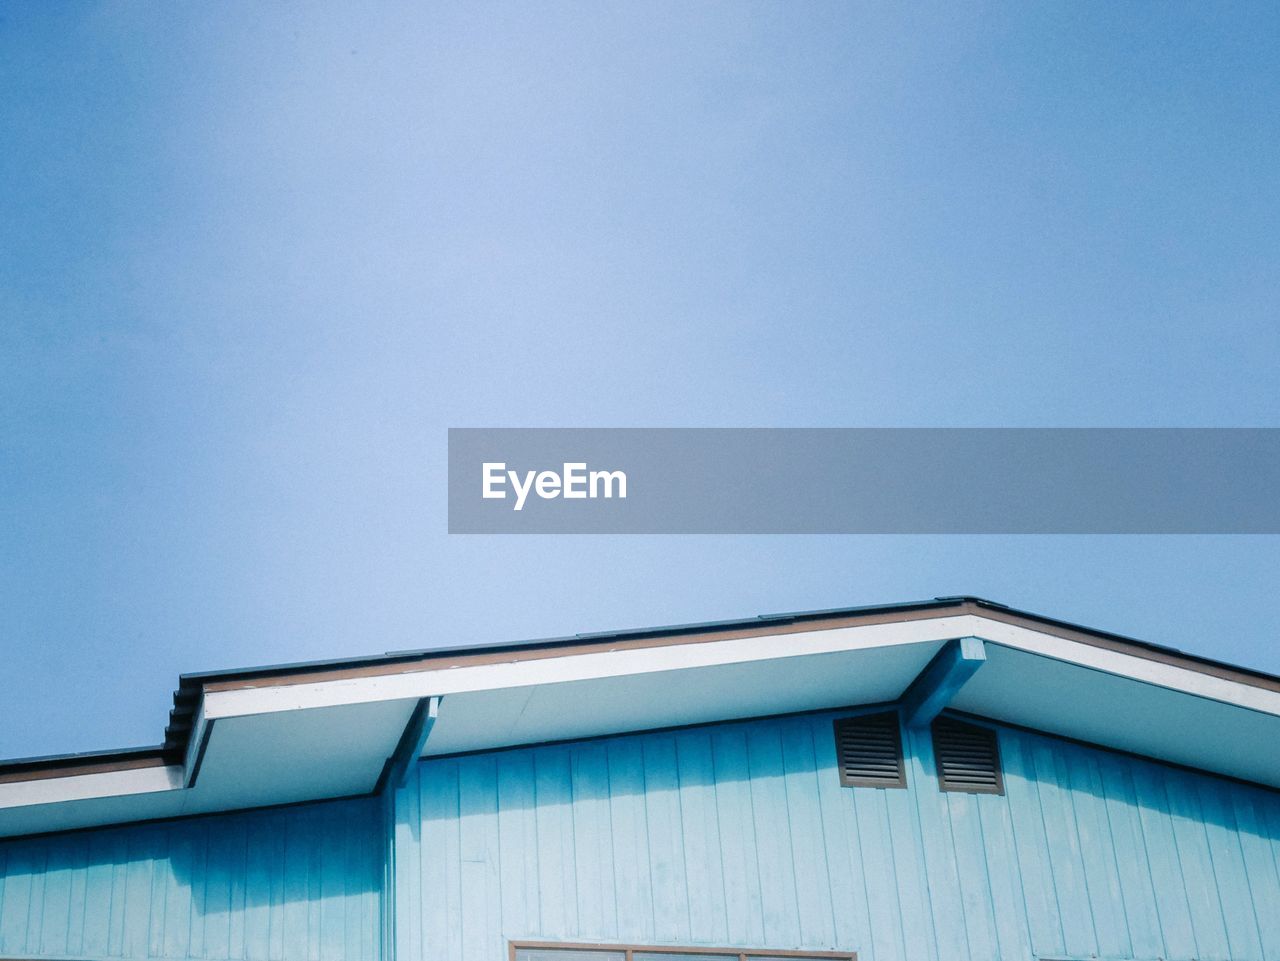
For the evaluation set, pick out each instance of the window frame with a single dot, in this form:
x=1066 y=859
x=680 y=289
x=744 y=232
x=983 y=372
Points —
x=742 y=954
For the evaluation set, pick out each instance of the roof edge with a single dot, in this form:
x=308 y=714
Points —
x=192 y=686
x=87 y=762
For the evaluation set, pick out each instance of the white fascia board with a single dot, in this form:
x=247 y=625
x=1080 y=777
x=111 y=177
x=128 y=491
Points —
x=83 y=787
x=577 y=667
x=668 y=657
x=194 y=741
x=1157 y=673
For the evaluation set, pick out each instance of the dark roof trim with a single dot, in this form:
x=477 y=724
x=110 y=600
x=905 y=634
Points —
x=760 y=624
x=677 y=630
x=90 y=762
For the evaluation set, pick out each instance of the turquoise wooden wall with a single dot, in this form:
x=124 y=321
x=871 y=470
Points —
x=734 y=835
x=741 y=835
x=292 y=884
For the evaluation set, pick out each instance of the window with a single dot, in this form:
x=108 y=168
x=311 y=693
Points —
x=968 y=757
x=551 y=951
x=869 y=751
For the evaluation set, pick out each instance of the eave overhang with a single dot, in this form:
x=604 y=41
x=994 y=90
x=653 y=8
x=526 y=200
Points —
x=288 y=733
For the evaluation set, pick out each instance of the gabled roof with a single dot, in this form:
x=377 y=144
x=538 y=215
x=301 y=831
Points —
x=292 y=732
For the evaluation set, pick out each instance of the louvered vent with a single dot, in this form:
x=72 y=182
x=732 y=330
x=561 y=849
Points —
x=869 y=751
x=968 y=757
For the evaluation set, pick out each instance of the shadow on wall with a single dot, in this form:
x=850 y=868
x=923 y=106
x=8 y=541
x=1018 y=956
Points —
x=298 y=882
x=802 y=747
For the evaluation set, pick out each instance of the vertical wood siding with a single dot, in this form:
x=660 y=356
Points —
x=742 y=835
x=293 y=884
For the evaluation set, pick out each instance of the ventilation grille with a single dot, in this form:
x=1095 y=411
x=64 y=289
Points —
x=869 y=751
x=968 y=757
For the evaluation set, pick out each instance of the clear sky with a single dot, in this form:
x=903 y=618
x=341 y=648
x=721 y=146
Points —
x=255 y=259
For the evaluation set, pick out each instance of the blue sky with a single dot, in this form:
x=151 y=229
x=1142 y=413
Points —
x=256 y=259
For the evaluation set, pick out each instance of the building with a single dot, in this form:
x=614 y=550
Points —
x=942 y=780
